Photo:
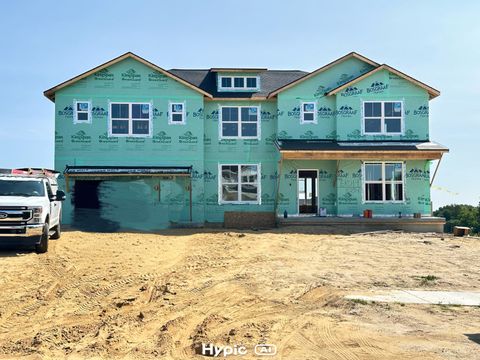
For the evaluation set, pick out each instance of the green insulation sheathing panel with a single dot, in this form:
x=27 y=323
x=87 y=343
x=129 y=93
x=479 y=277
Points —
x=169 y=145
x=340 y=115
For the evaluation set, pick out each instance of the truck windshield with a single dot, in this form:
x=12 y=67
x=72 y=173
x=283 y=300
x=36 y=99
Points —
x=21 y=188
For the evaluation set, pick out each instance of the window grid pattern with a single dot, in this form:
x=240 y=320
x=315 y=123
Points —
x=240 y=122
x=82 y=112
x=383 y=182
x=130 y=119
x=177 y=113
x=383 y=117
x=239 y=183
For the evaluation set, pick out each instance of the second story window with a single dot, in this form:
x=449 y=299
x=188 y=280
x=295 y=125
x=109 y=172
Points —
x=83 y=112
x=176 y=114
x=238 y=83
x=308 y=113
x=130 y=119
x=383 y=117
x=239 y=122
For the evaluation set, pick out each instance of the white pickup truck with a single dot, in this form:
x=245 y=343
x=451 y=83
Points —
x=30 y=208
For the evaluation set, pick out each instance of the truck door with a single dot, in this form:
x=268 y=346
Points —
x=54 y=205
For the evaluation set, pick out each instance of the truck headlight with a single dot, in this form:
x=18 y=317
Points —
x=37 y=214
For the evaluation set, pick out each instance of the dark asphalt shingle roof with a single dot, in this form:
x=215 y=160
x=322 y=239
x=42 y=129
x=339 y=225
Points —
x=330 y=145
x=270 y=80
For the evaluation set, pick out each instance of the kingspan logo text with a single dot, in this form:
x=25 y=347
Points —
x=80 y=137
x=161 y=138
x=308 y=135
x=104 y=75
x=104 y=138
x=131 y=75
x=347 y=199
x=156 y=76
x=187 y=138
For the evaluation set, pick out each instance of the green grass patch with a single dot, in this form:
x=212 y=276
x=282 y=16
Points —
x=359 y=301
x=427 y=280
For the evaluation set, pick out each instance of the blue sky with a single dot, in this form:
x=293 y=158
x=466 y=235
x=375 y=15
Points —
x=46 y=42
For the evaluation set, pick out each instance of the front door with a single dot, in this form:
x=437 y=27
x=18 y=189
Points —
x=307 y=192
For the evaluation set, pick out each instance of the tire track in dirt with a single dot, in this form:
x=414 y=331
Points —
x=122 y=283
x=334 y=345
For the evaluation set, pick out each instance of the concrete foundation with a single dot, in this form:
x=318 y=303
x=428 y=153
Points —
x=248 y=220
x=360 y=224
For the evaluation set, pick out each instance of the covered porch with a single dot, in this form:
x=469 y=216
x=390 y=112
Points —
x=326 y=179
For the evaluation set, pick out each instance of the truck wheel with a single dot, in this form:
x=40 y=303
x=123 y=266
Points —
x=57 y=232
x=43 y=246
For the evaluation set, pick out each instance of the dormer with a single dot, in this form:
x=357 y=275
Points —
x=238 y=80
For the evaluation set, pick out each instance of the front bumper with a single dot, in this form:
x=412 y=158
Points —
x=24 y=231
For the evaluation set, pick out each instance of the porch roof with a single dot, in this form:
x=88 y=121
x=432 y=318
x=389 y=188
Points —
x=127 y=170
x=361 y=150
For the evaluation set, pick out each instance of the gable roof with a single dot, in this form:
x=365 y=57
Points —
x=50 y=93
x=433 y=93
x=322 y=69
x=270 y=80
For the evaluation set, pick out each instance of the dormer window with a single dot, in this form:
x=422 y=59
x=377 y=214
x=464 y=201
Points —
x=238 y=83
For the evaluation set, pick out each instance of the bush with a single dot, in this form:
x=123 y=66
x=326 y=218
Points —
x=460 y=215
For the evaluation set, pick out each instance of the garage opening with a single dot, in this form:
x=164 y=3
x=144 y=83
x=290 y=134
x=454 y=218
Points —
x=85 y=194
x=107 y=198
x=87 y=208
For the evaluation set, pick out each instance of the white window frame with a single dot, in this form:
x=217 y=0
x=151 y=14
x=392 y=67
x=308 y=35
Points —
x=130 y=120
x=383 y=182
x=302 y=112
x=383 y=118
x=239 y=183
x=239 y=136
x=232 y=81
x=170 y=113
x=75 y=112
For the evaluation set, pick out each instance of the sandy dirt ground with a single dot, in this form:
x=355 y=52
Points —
x=142 y=296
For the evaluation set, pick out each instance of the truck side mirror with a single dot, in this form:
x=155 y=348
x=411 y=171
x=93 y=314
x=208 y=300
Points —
x=60 y=195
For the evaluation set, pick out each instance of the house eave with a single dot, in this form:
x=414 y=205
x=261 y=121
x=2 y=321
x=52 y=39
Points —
x=50 y=93
x=362 y=155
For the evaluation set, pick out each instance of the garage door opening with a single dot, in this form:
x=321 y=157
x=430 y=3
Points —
x=87 y=207
x=85 y=194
